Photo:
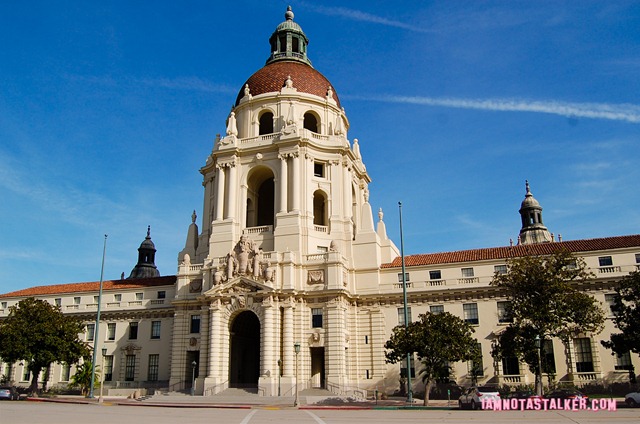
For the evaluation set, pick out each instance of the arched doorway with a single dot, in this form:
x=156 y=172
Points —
x=244 y=368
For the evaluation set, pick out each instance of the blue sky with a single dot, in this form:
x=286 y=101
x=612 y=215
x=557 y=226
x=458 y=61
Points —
x=108 y=109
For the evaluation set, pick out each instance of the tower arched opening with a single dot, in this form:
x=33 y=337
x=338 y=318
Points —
x=260 y=197
x=320 y=208
x=266 y=123
x=311 y=122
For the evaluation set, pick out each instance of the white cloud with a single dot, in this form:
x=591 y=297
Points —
x=614 y=112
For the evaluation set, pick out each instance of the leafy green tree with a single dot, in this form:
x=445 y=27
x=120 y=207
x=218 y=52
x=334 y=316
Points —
x=437 y=339
x=626 y=312
x=38 y=334
x=82 y=377
x=545 y=302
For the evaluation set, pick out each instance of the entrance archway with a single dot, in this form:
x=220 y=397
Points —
x=244 y=368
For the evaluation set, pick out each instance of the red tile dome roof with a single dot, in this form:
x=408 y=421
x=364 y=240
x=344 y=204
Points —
x=271 y=78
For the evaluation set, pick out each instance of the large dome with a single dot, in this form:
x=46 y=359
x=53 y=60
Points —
x=271 y=78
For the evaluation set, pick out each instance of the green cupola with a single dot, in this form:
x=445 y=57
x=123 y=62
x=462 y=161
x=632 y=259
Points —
x=288 y=41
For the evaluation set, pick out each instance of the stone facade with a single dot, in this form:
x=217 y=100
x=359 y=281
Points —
x=289 y=280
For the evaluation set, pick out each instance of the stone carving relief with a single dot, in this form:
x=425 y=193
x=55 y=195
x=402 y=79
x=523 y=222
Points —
x=245 y=259
x=315 y=276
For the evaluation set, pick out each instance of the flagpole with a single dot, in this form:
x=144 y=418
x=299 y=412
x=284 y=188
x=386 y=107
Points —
x=96 y=333
x=406 y=310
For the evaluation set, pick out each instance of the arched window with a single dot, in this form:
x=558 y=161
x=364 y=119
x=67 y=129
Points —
x=311 y=122
x=260 y=197
x=319 y=208
x=266 y=123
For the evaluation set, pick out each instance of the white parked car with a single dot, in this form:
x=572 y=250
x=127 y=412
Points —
x=632 y=399
x=472 y=397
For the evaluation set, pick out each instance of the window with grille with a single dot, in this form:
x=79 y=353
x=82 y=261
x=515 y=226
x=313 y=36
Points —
x=195 y=324
x=130 y=368
x=500 y=269
x=91 y=331
x=610 y=300
x=108 y=368
x=316 y=317
x=155 y=329
x=467 y=272
x=504 y=312
x=58 y=301
x=401 y=315
x=111 y=331
x=510 y=365
x=133 y=330
x=154 y=362
x=584 y=358
x=548 y=358
x=436 y=309
x=76 y=300
x=66 y=372
x=623 y=361
x=470 y=312
x=162 y=294
x=605 y=260
x=435 y=275
x=139 y=296
x=26 y=374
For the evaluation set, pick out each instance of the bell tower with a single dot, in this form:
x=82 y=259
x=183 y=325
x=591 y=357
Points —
x=533 y=230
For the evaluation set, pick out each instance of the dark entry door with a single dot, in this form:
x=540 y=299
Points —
x=244 y=368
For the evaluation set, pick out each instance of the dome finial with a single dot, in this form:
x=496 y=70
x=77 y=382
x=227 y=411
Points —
x=526 y=183
x=288 y=15
x=148 y=231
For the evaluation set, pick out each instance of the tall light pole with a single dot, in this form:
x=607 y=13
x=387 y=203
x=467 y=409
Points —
x=538 y=342
x=296 y=348
x=96 y=334
x=104 y=353
x=406 y=309
x=193 y=377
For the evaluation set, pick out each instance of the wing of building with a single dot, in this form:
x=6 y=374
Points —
x=290 y=268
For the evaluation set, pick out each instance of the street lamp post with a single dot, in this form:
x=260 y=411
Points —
x=539 y=373
x=296 y=347
x=193 y=377
x=405 y=308
x=104 y=353
x=96 y=334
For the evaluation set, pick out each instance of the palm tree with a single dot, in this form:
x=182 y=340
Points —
x=82 y=377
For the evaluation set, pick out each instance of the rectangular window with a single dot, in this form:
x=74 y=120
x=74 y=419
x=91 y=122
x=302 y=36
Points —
x=318 y=169
x=139 y=296
x=66 y=372
x=510 y=365
x=58 y=301
x=130 y=368
x=162 y=294
x=26 y=374
x=470 y=312
x=117 y=297
x=4 y=305
x=605 y=261
x=195 y=324
x=91 y=330
x=108 y=368
x=111 y=331
x=366 y=339
x=623 y=361
x=322 y=249
x=467 y=272
x=584 y=359
x=154 y=362
x=401 y=315
x=96 y=299
x=500 y=269
x=133 y=330
x=403 y=366
x=155 y=329
x=435 y=275
x=76 y=300
x=316 y=317
x=504 y=312
x=436 y=309
x=547 y=357
x=406 y=277
x=638 y=258
x=610 y=300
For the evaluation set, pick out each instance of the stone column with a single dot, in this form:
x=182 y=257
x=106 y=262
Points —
x=287 y=341
x=267 y=348
x=233 y=186
x=214 y=340
x=283 y=183
x=296 y=182
x=346 y=187
x=219 y=192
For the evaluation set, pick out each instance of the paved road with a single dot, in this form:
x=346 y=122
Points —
x=55 y=413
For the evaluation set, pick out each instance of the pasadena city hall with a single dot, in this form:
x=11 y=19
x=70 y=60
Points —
x=291 y=277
